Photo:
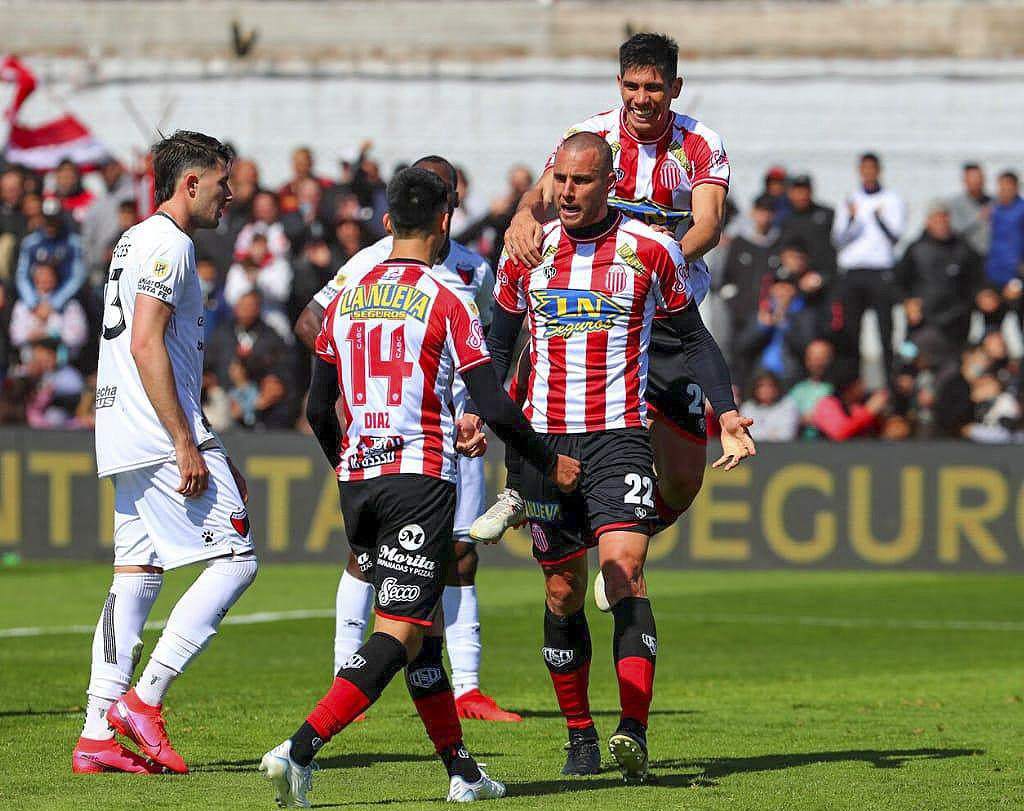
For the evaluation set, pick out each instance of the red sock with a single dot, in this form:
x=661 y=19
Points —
x=571 y=689
x=336 y=710
x=440 y=719
x=636 y=686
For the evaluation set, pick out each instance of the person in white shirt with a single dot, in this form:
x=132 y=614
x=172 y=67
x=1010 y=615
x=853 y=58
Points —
x=178 y=499
x=865 y=232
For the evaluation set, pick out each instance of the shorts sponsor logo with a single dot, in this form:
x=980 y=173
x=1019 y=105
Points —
x=240 y=521
x=540 y=537
x=640 y=512
x=374 y=451
x=558 y=657
x=389 y=557
x=425 y=677
x=411 y=537
x=650 y=642
x=354 y=662
x=391 y=591
x=105 y=396
x=207 y=537
x=550 y=511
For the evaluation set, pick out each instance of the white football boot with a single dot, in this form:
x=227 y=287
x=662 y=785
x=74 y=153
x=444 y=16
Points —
x=462 y=791
x=291 y=781
x=508 y=511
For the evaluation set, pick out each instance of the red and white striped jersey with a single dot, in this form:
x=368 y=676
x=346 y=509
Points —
x=590 y=305
x=665 y=169
x=397 y=335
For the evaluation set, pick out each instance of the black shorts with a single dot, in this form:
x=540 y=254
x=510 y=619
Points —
x=672 y=394
x=400 y=530
x=616 y=492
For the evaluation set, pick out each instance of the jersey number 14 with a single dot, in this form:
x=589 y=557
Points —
x=390 y=365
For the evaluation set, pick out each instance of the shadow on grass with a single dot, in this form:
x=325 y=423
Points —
x=600 y=713
x=29 y=712
x=348 y=760
x=704 y=772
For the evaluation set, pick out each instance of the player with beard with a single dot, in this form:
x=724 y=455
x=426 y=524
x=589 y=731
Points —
x=666 y=166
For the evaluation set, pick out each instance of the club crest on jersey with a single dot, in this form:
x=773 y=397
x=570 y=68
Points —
x=669 y=174
x=240 y=521
x=616 y=279
x=466 y=272
x=567 y=312
x=675 y=149
x=161 y=269
x=387 y=301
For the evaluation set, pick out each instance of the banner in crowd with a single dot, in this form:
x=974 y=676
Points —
x=935 y=506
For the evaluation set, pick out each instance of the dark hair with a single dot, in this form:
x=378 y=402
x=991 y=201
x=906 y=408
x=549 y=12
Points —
x=590 y=140
x=184 y=150
x=453 y=177
x=764 y=201
x=1008 y=175
x=971 y=165
x=870 y=156
x=648 y=50
x=416 y=199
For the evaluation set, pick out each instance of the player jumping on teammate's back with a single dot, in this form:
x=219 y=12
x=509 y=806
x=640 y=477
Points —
x=390 y=345
x=591 y=304
x=472 y=278
x=663 y=160
x=178 y=499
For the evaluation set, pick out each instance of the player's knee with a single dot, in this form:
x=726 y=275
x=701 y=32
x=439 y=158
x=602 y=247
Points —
x=565 y=594
x=623 y=577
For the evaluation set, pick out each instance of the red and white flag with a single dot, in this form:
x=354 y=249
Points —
x=43 y=147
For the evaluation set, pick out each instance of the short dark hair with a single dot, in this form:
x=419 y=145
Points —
x=584 y=140
x=1008 y=175
x=870 y=156
x=181 y=151
x=967 y=167
x=648 y=50
x=453 y=177
x=416 y=199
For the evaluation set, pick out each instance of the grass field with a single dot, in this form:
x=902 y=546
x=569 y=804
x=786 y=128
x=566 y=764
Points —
x=774 y=691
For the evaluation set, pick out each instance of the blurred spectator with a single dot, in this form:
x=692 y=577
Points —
x=971 y=211
x=103 y=223
x=55 y=388
x=267 y=223
x=847 y=414
x=56 y=244
x=215 y=307
x=246 y=337
x=311 y=271
x=776 y=418
x=243 y=394
x=1005 y=265
x=288 y=196
x=939 y=275
x=775 y=190
x=30 y=325
x=996 y=413
x=271 y=275
x=306 y=221
x=351 y=236
x=928 y=386
x=751 y=260
x=371 y=190
x=487 y=234
x=470 y=208
x=32 y=210
x=865 y=232
x=216 y=405
x=811 y=223
x=13 y=225
x=806 y=394
x=785 y=325
x=74 y=198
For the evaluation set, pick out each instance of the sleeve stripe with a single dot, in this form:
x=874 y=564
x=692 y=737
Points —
x=474 y=363
x=716 y=180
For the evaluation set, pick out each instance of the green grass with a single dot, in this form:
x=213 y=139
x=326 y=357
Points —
x=770 y=713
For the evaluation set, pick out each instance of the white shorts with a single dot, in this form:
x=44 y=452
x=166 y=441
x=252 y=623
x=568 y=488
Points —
x=470 y=498
x=156 y=526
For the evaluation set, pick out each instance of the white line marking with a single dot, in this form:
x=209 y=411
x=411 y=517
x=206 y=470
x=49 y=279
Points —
x=261 y=617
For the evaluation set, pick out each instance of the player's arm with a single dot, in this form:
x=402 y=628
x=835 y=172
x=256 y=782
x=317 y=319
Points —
x=149 y=352
x=707 y=202
x=320 y=410
x=496 y=408
x=307 y=325
x=525 y=234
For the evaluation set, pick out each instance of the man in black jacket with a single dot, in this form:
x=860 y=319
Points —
x=939 y=275
x=811 y=223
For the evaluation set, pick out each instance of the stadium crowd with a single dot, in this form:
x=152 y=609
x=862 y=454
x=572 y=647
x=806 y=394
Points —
x=793 y=275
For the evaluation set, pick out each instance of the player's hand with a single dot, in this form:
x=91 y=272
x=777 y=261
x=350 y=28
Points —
x=737 y=444
x=240 y=483
x=566 y=473
x=662 y=229
x=523 y=238
x=471 y=441
x=195 y=476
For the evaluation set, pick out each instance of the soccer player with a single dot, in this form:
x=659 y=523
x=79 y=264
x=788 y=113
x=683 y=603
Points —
x=666 y=165
x=591 y=303
x=178 y=498
x=391 y=343
x=471 y=277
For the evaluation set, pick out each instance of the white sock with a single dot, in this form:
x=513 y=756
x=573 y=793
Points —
x=352 y=609
x=117 y=645
x=462 y=637
x=193 y=622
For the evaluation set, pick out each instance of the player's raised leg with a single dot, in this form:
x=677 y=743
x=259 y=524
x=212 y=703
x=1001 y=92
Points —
x=634 y=646
x=353 y=604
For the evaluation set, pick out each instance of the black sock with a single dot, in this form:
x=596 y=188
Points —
x=514 y=468
x=305 y=744
x=458 y=761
